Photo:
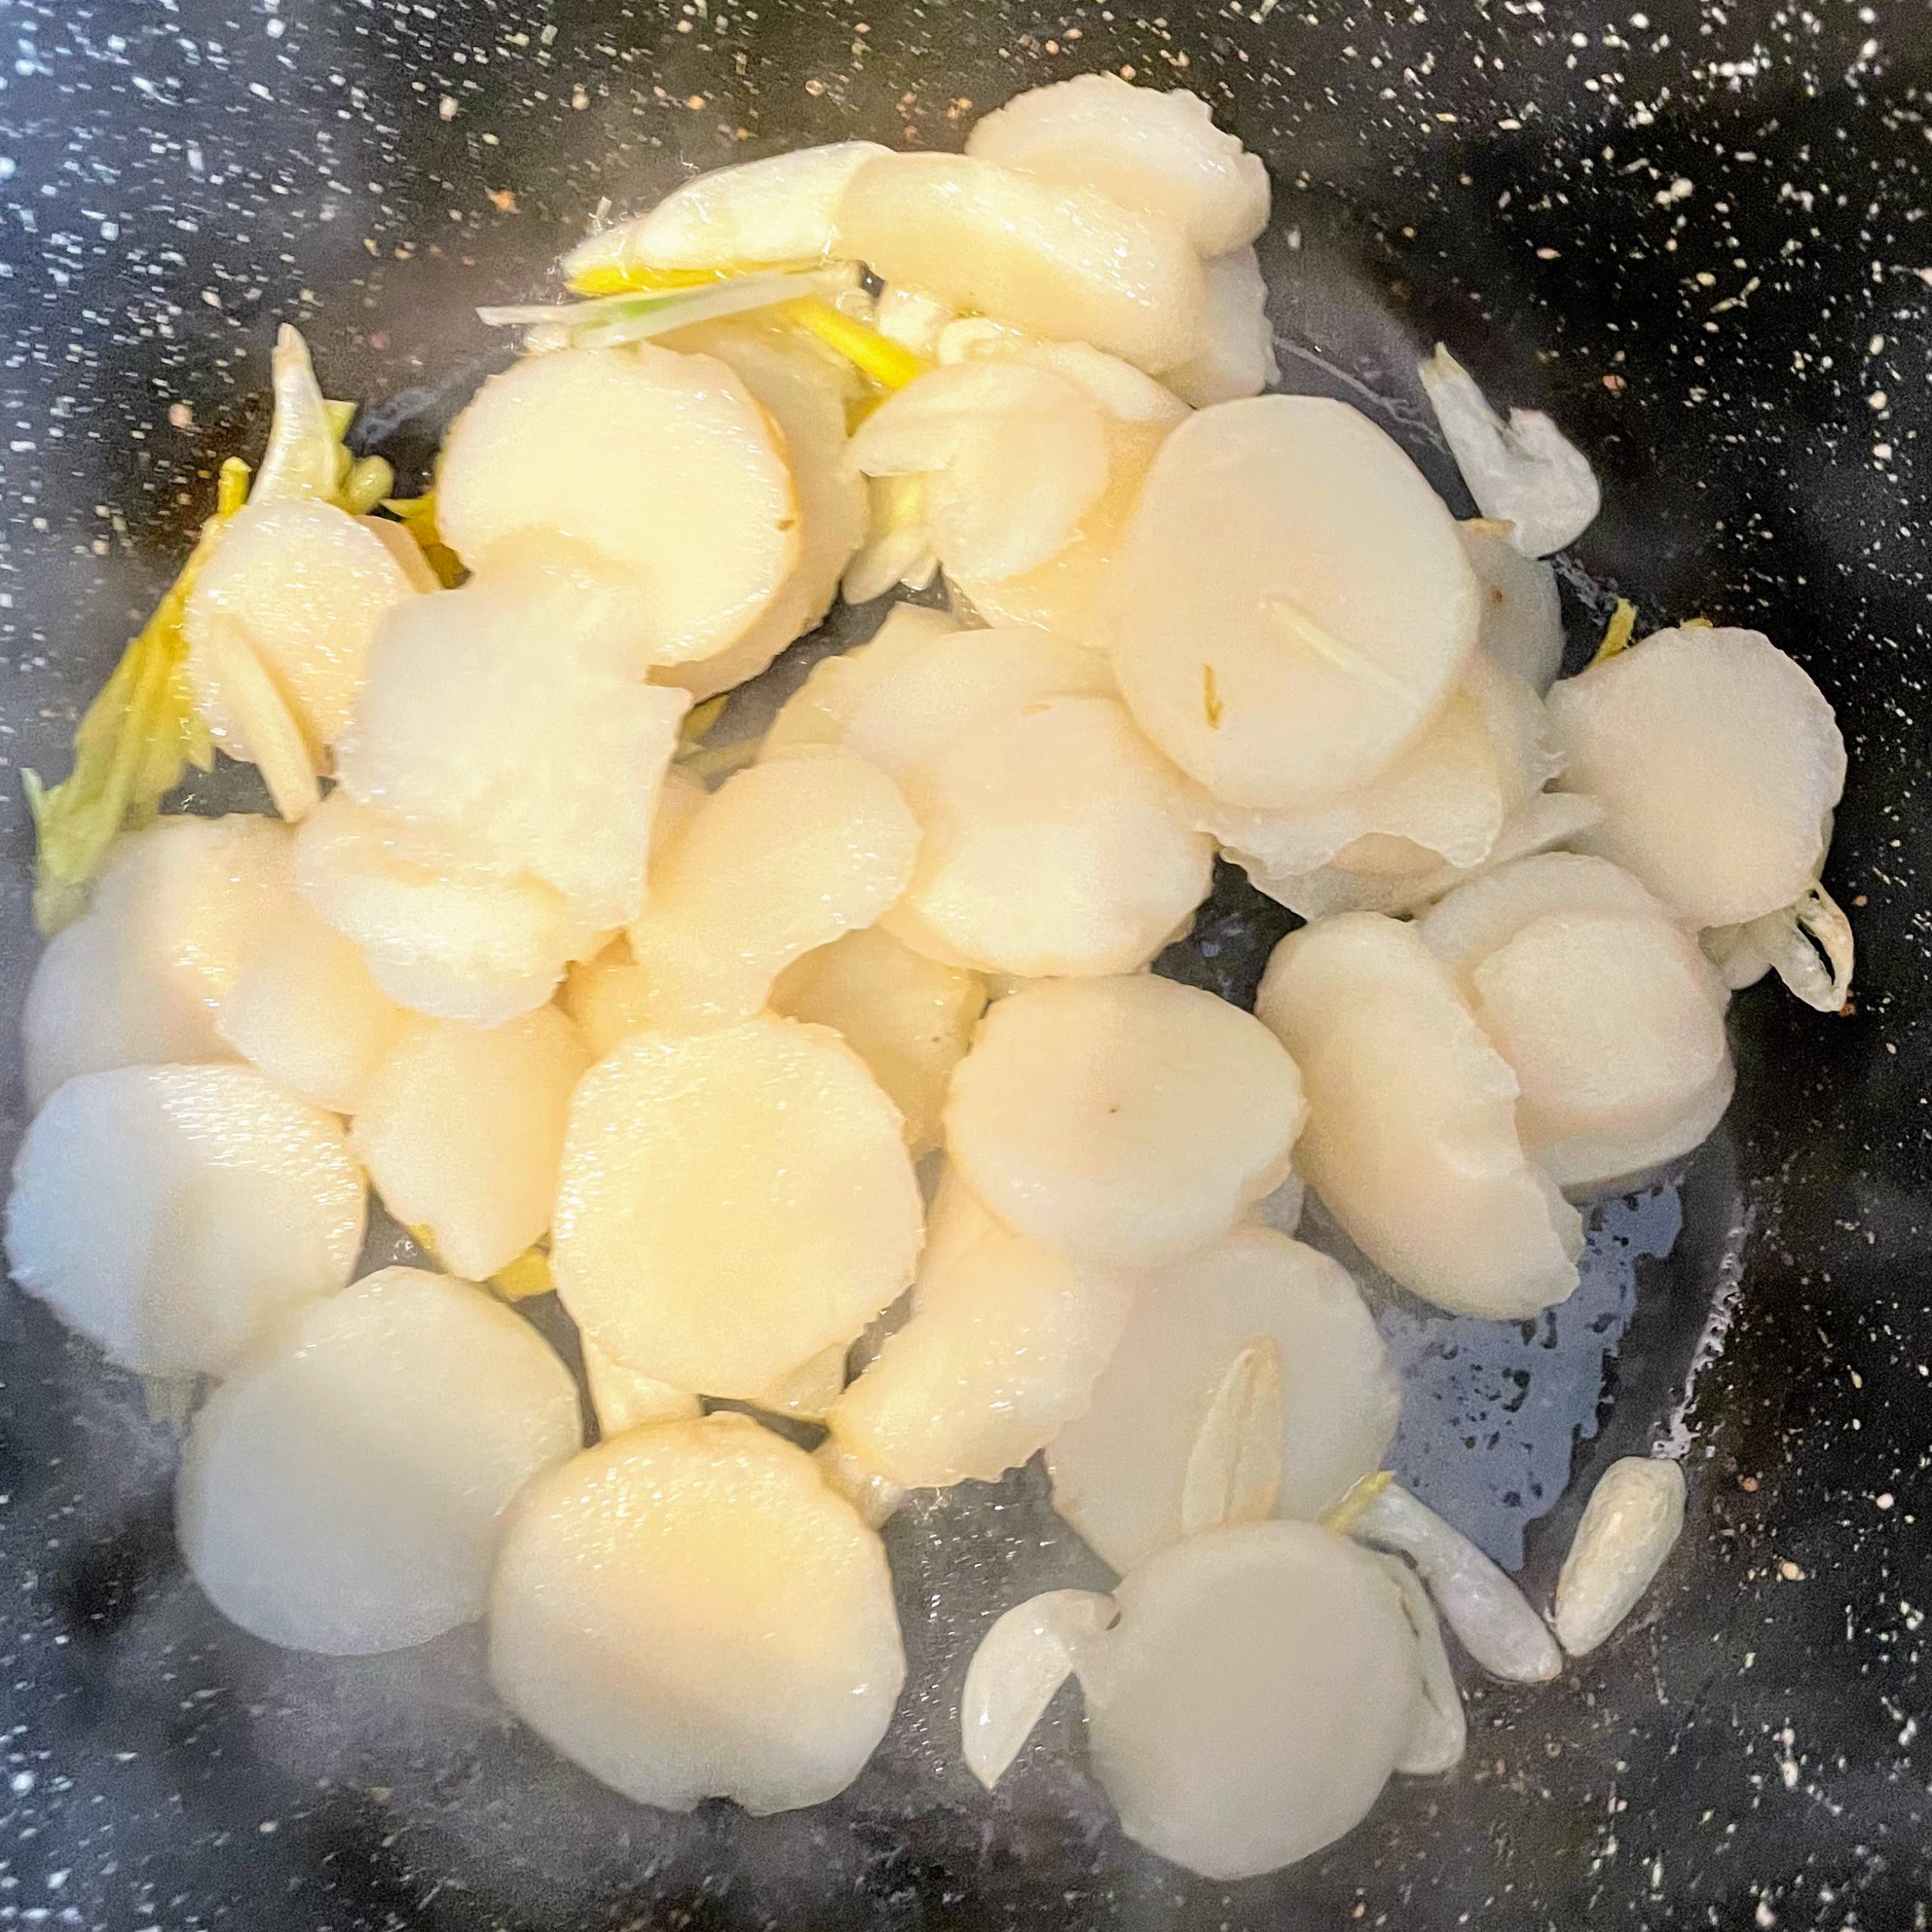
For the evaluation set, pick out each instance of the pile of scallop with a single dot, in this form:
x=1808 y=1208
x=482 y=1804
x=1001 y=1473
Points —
x=820 y=1073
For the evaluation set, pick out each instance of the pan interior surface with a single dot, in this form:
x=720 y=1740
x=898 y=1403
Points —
x=1697 y=239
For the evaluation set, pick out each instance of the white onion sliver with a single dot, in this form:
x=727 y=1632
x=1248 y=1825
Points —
x=1492 y=1617
x=1021 y=1661
x=1630 y=1524
x=1525 y=472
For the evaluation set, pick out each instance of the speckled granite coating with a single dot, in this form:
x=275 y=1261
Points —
x=1699 y=235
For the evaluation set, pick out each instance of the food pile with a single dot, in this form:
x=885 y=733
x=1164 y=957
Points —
x=821 y=1073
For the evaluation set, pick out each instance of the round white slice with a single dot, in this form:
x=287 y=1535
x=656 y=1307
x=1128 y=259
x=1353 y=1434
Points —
x=308 y=585
x=909 y=1018
x=345 y=1492
x=1238 y=358
x=784 y=858
x=1005 y=1340
x=663 y=463
x=1444 y=799
x=804 y=389
x=1289 y=606
x=306 y=1010
x=1249 y=1705
x=1152 y=150
x=1124 y=1120
x=1614 y=1029
x=688 y=1612
x=1412 y=1141
x=443 y=932
x=935 y=695
x=511 y=715
x=462 y=1128
x=1053 y=840
x=1013 y=456
x=819 y=711
x=1060 y=596
x=1718 y=763
x=1064 y=262
x=1119 y=1471
x=1522 y=615
x=172 y=1214
x=778 y=208
x=137 y=979
x=1464 y=928
x=731 y=1203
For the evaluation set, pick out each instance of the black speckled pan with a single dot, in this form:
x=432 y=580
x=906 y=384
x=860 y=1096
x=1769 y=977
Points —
x=1698 y=238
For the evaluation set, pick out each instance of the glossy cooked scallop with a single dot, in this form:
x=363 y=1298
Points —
x=819 y=711
x=461 y=1129
x=139 y=976
x=1064 y=262
x=912 y=706
x=1125 y=1120
x=1251 y=1701
x=1053 y=840
x=1445 y=799
x=663 y=464
x=306 y=1010
x=1012 y=456
x=511 y=715
x=1005 y=1341
x=1606 y=1010
x=1412 y=1141
x=804 y=389
x=443 y=931
x=1289 y=606
x=688 y=1612
x=172 y=1214
x=778 y=208
x=1237 y=358
x=1718 y=764
x=1120 y=1470
x=731 y=1202
x=307 y=586
x=1156 y=151
x=344 y=1493
x=784 y=858
x=909 y=1018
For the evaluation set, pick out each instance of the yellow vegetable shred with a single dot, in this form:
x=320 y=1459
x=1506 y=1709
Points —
x=1617 y=632
x=137 y=738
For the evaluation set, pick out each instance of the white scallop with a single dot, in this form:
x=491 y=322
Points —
x=1125 y=1120
x=1238 y=357
x=172 y=1214
x=778 y=208
x=1005 y=1340
x=461 y=1129
x=344 y=1493
x=1289 y=606
x=1522 y=615
x=1061 y=262
x=138 y=978
x=1412 y=1142
x=511 y=715
x=1119 y=1469
x=1249 y=1705
x=1718 y=763
x=308 y=585
x=1156 y=151
x=688 y=1611
x=662 y=463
